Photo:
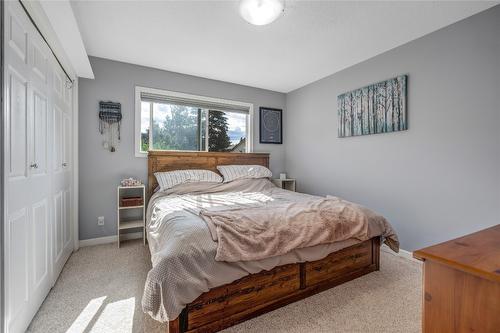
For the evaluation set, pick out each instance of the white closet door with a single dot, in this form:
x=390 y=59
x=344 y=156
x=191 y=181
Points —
x=39 y=176
x=62 y=171
x=37 y=186
x=18 y=226
x=39 y=181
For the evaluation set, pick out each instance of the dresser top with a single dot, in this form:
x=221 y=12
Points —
x=477 y=253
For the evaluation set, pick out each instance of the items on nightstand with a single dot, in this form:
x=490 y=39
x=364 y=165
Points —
x=131 y=209
x=286 y=184
x=282 y=176
x=130 y=182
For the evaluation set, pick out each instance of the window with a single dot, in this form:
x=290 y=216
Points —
x=175 y=121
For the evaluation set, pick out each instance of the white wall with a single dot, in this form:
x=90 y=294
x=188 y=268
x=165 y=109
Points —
x=439 y=179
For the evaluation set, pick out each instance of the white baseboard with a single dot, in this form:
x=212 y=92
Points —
x=109 y=239
x=402 y=253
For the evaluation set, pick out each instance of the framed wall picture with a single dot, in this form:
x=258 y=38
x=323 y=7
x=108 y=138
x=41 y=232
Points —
x=376 y=108
x=271 y=125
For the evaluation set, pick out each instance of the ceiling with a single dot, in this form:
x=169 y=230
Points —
x=313 y=39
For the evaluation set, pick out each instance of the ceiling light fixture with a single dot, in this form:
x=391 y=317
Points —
x=261 y=12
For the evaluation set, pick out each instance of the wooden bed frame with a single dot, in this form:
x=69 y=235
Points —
x=259 y=293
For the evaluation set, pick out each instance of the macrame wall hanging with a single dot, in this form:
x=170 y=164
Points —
x=110 y=118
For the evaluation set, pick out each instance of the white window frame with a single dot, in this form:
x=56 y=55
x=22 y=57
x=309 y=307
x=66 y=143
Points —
x=140 y=89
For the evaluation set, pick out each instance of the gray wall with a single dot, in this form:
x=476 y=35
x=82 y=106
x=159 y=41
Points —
x=439 y=179
x=101 y=171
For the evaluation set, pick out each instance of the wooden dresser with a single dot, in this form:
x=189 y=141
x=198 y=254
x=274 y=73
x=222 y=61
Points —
x=461 y=279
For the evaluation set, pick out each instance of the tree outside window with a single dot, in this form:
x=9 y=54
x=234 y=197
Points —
x=179 y=127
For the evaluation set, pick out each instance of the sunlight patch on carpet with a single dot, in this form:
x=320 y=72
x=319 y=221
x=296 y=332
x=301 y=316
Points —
x=84 y=318
x=116 y=317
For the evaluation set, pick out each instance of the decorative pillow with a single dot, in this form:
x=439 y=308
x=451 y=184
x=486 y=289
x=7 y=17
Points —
x=170 y=179
x=233 y=172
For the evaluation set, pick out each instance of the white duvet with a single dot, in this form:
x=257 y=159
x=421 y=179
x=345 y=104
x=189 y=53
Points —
x=183 y=251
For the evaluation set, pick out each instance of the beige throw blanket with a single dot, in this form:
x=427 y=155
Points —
x=256 y=233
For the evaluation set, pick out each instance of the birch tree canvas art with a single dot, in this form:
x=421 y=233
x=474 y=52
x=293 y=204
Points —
x=377 y=108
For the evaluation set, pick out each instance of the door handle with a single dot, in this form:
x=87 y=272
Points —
x=65 y=164
x=34 y=166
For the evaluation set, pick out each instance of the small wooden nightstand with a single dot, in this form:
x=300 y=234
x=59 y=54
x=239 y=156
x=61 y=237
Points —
x=286 y=184
x=131 y=217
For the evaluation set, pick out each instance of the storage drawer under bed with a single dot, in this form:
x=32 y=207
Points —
x=255 y=294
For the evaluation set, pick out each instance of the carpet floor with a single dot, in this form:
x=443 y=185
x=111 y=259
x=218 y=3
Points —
x=100 y=290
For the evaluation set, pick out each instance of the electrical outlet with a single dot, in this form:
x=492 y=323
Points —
x=100 y=220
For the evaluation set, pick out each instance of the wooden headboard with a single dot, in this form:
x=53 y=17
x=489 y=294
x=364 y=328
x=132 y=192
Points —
x=175 y=160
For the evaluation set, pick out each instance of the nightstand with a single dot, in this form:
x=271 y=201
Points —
x=286 y=184
x=131 y=212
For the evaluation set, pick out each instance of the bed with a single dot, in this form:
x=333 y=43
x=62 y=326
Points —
x=195 y=293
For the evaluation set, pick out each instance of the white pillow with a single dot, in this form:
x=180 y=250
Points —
x=233 y=172
x=170 y=179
